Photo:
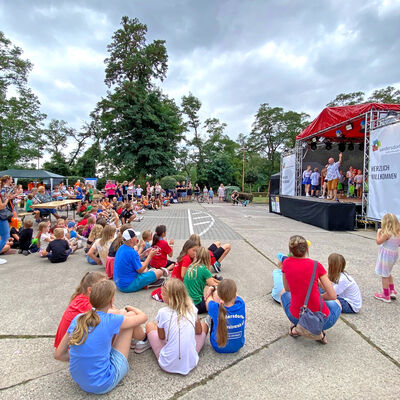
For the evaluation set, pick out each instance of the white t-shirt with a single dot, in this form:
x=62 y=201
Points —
x=348 y=289
x=43 y=242
x=139 y=191
x=179 y=337
x=102 y=250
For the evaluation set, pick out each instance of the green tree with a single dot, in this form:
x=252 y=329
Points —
x=21 y=122
x=388 y=95
x=347 y=99
x=86 y=164
x=273 y=129
x=139 y=127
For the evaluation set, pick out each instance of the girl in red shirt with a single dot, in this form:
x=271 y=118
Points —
x=164 y=250
x=79 y=302
x=297 y=271
x=184 y=260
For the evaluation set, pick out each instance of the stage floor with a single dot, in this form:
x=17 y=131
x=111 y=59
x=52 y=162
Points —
x=344 y=200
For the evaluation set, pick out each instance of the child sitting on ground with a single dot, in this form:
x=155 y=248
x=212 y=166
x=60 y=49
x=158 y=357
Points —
x=185 y=258
x=145 y=245
x=178 y=336
x=198 y=280
x=58 y=249
x=228 y=316
x=44 y=237
x=99 y=250
x=79 y=302
x=346 y=288
x=25 y=237
x=97 y=343
x=94 y=234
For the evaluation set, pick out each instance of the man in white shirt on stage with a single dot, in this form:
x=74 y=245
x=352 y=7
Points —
x=332 y=175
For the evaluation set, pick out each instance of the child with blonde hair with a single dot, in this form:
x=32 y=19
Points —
x=99 y=250
x=388 y=237
x=228 y=316
x=178 y=336
x=79 y=302
x=99 y=341
x=44 y=237
x=145 y=244
x=58 y=249
x=346 y=288
x=199 y=281
x=94 y=235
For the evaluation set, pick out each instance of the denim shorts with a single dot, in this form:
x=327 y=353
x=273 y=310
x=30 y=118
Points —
x=346 y=307
x=90 y=260
x=140 y=282
x=334 y=311
x=121 y=368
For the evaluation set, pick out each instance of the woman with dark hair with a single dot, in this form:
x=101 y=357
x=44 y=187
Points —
x=297 y=273
x=164 y=249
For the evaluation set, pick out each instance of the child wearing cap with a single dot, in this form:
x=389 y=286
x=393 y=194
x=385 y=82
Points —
x=130 y=275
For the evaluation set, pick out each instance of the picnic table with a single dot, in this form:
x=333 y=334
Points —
x=56 y=204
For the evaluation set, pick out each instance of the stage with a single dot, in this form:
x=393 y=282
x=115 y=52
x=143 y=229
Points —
x=326 y=214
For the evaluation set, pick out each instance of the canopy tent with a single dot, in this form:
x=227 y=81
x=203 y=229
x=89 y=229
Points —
x=333 y=118
x=32 y=174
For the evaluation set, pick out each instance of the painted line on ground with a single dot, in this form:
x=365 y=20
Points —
x=204 y=216
x=209 y=227
x=201 y=223
x=191 y=230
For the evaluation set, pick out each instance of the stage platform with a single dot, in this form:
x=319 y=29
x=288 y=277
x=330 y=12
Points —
x=326 y=214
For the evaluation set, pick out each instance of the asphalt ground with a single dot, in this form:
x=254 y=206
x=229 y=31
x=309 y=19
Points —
x=360 y=361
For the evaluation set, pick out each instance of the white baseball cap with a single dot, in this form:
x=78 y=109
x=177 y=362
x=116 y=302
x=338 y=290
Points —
x=129 y=234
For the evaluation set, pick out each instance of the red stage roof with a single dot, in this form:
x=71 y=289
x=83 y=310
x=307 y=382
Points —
x=333 y=116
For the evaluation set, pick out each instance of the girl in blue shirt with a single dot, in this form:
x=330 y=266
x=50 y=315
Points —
x=97 y=363
x=228 y=317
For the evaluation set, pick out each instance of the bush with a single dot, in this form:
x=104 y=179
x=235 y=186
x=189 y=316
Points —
x=246 y=196
x=179 y=178
x=168 y=182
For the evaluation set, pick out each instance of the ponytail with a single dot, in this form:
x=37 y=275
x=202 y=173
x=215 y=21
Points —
x=158 y=234
x=101 y=296
x=222 y=330
x=88 y=320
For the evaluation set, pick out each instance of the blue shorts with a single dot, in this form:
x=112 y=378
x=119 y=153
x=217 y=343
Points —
x=140 y=282
x=183 y=194
x=346 y=307
x=120 y=366
x=334 y=311
x=315 y=187
x=90 y=260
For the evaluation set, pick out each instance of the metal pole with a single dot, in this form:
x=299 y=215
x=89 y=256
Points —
x=243 y=149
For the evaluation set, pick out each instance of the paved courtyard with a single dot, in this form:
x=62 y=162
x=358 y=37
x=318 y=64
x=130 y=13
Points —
x=361 y=360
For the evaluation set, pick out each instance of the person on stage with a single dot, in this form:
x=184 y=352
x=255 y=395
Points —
x=332 y=175
x=307 y=180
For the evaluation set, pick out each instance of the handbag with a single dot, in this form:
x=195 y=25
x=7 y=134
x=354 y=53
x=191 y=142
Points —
x=6 y=213
x=311 y=323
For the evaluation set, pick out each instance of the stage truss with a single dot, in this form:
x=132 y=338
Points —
x=373 y=119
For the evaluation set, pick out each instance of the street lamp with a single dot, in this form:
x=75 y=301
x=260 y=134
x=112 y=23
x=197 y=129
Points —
x=244 y=150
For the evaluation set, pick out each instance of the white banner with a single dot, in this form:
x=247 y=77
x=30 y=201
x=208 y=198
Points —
x=288 y=175
x=384 y=172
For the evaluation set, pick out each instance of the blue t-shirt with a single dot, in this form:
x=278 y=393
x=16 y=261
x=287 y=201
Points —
x=79 y=193
x=210 y=193
x=235 y=322
x=126 y=264
x=72 y=234
x=89 y=363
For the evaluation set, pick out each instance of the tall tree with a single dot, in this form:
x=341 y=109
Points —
x=347 y=99
x=388 y=95
x=21 y=122
x=140 y=128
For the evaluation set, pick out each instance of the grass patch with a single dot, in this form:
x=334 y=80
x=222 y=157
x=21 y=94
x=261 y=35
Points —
x=260 y=200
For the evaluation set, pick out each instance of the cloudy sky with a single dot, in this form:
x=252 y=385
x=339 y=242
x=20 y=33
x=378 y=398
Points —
x=231 y=54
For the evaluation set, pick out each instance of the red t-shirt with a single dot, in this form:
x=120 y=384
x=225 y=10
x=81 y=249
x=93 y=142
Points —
x=212 y=258
x=159 y=260
x=82 y=222
x=80 y=304
x=298 y=273
x=177 y=271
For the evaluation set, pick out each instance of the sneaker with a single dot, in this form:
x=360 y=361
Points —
x=381 y=296
x=217 y=267
x=157 y=283
x=141 y=346
x=218 y=278
x=19 y=251
x=139 y=219
x=2 y=261
x=393 y=294
x=25 y=252
x=307 y=195
x=321 y=197
x=165 y=272
x=133 y=344
x=207 y=321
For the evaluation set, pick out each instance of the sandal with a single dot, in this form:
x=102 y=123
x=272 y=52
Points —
x=293 y=335
x=323 y=340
